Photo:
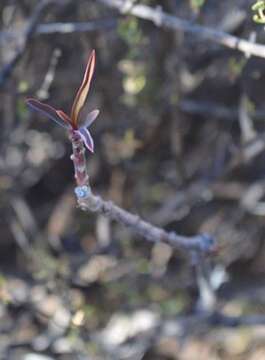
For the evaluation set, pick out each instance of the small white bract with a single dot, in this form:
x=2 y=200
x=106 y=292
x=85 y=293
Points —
x=82 y=191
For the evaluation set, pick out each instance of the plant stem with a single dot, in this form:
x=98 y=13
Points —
x=79 y=159
x=90 y=202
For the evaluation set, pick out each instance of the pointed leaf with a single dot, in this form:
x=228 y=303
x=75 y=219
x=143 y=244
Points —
x=91 y=117
x=84 y=88
x=64 y=117
x=48 y=111
x=87 y=139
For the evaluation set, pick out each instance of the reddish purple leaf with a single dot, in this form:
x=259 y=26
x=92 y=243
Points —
x=87 y=139
x=89 y=119
x=83 y=90
x=48 y=111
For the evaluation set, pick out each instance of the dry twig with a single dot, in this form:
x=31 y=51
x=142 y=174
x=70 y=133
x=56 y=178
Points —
x=33 y=22
x=89 y=202
x=163 y=19
x=214 y=110
x=64 y=28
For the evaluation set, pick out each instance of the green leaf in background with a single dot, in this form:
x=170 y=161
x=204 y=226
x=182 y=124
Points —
x=259 y=8
x=129 y=31
x=196 y=4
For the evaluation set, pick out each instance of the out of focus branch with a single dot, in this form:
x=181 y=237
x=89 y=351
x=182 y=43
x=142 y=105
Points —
x=215 y=110
x=163 y=19
x=33 y=22
x=214 y=319
x=89 y=202
x=233 y=321
x=64 y=28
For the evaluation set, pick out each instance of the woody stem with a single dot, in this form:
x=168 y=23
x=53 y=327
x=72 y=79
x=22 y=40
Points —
x=79 y=159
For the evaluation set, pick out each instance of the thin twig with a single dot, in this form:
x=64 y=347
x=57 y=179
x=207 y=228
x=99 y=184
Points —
x=214 y=319
x=248 y=132
x=163 y=19
x=89 y=202
x=219 y=319
x=43 y=92
x=208 y=109
x=64 y=28
x=33 y=22
x=215 y=110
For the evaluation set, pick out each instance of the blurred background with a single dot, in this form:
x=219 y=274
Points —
x=179 y=140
